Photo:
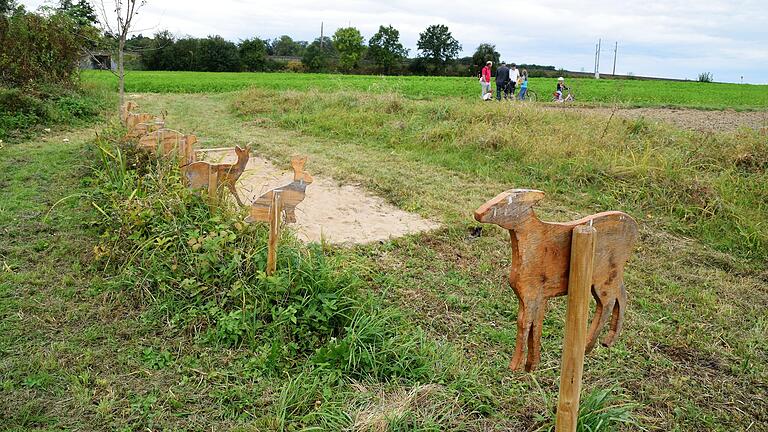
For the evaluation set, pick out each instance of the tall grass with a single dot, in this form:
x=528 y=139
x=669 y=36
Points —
x=711 y=186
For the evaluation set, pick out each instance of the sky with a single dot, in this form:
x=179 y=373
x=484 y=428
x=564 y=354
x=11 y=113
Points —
x=662 y=38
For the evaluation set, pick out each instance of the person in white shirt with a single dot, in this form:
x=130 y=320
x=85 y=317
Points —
x=514 y=75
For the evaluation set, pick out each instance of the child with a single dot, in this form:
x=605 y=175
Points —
x=523 y=84
x=561 y=88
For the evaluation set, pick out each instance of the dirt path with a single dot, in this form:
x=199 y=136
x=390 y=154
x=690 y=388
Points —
x=330 y=211
x=710 y=121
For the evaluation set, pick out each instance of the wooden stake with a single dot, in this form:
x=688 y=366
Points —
x=579 y=280
x=213 y=183
x=274 y=231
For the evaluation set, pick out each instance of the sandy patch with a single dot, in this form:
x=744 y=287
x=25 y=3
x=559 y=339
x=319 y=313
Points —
x=337 y=213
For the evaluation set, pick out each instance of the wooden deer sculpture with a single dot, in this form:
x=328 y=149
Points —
x=126 y=109
x=205 y=174
x=540 y=265
x=142 y=123
x=165 y=142
x=291 y=195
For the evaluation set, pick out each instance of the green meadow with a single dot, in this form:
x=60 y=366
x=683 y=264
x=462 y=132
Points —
x=632 y=93
x=127 y=303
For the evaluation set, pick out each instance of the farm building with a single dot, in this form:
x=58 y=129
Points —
x=99 y=61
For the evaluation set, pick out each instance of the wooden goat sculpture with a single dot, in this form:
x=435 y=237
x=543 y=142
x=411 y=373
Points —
x=291 y=195
x=205 y=174
x=540 y=265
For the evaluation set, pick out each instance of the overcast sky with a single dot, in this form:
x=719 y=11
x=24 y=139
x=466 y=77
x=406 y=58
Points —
x=666 y=38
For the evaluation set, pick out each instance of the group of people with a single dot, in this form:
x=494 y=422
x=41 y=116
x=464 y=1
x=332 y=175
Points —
x=508 y=78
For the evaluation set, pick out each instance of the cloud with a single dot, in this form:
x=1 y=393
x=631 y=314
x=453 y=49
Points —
x=656 y=37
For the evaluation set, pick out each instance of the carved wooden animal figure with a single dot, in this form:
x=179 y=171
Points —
x=141 y=124
x=168 y=141
x=291 y=195
x=126 y=109
x=197 y=174
x=540 y=265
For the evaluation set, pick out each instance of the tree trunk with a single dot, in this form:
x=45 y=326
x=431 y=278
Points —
x=121 y=70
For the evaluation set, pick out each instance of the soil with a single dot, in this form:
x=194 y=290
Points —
x=341 y=214
x=705 y=121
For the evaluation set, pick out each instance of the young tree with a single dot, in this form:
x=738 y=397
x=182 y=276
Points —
x=253 y=54
x=117 y=20
x=349 y=43
x=437 y=45
x=385 y=49
x=485 y=52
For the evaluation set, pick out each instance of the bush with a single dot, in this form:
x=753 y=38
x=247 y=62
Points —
x=38 y=49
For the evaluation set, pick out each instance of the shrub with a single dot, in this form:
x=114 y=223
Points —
x=38 y=49
x=295 y=66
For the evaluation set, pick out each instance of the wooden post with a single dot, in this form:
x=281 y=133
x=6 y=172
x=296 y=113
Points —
x=579 y=281
x=274 y=231
x=213 y=184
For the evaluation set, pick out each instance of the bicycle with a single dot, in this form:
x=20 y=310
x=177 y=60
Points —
x=570 y=97
x=529 y=96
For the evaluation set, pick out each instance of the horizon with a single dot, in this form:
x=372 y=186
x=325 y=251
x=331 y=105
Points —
x=656 y=40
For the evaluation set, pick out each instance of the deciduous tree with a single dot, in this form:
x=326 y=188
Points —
x=253 y=54
x=318 y=55
x=484 y=53
x=218 y=55
x=385 y=49
x=349 y=43
x=437 y=45
x=82 y=12
x=285 y=46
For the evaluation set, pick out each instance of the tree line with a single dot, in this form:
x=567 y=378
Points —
x=345 y=51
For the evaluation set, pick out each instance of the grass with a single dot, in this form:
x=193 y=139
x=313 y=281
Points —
x=697 y=183
x=631 y=93
x=86 y=345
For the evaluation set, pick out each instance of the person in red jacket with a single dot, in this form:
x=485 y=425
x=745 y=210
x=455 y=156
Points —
x=485 y=79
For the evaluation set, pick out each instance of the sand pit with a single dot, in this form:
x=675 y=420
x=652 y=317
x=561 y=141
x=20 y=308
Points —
x=338 y=213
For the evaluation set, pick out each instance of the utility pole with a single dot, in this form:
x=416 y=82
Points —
x=615 y=49
x=595 y=62
x=321 y=35
x=597 y=59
